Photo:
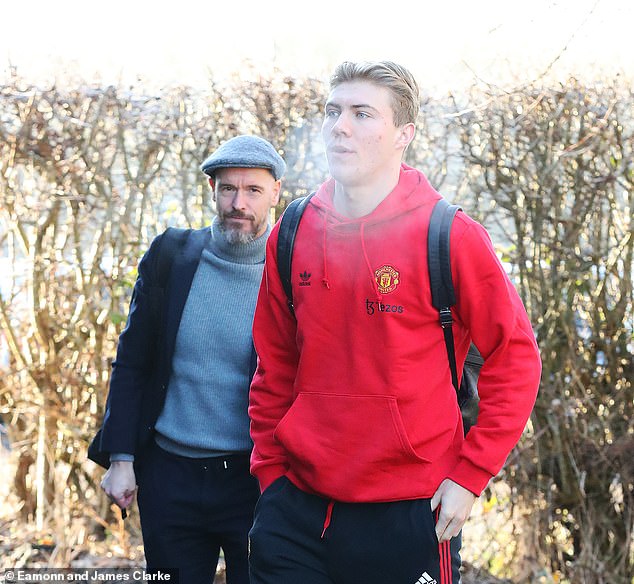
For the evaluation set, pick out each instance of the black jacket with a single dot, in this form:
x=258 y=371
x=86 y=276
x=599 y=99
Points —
x=143 y=363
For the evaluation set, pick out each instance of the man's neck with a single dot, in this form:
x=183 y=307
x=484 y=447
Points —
x=355 y=201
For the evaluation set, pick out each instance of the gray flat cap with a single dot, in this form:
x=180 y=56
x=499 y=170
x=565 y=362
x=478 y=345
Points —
x=245 y=152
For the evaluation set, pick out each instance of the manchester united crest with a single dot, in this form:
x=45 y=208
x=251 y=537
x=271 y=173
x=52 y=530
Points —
x=387 y=279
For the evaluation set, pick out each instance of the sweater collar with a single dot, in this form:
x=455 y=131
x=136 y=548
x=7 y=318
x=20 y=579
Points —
x=239 y=253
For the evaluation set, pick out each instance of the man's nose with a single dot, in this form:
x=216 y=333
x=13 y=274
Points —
x=341 y=125
x=239 y=199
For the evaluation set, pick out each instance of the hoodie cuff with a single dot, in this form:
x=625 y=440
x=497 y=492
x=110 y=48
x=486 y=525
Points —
x=471 y=477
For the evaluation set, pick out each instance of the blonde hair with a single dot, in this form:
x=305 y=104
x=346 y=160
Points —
x=400 y=82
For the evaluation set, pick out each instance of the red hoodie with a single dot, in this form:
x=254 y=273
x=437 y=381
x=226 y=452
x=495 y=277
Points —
x=353 y=401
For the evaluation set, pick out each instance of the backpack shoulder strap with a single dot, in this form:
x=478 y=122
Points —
x=172 y=242
x=438 y=256
x=285 y=242
x=441 y=283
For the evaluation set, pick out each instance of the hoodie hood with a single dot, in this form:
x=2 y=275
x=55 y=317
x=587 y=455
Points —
x=412 y=191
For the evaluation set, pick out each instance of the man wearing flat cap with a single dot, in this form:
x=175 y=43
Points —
x=176 y=423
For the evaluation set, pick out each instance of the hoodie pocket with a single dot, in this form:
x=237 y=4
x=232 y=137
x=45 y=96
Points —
x=343 y=445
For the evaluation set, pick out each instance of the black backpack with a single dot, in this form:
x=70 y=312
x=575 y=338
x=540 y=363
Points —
x=443 y=294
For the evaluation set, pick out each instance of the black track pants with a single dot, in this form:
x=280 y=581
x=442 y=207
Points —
x=299 y=538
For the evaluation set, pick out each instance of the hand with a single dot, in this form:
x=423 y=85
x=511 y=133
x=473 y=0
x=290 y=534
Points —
x=455 y=507
x=119 y=482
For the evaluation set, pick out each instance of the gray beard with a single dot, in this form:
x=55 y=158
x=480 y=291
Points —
x=235 y=236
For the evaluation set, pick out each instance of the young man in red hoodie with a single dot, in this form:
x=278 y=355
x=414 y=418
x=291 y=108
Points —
x=359 y=447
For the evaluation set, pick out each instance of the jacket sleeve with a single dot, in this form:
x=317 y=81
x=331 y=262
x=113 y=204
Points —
x=136 y=356
x=272 y=393
x=493 y=315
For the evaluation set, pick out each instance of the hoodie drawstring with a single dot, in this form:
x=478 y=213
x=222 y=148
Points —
x=375 y=285
x=325 y=281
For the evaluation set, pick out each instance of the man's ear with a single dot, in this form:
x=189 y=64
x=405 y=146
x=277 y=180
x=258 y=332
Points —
x=406 y=135
x=212 y=184
x=278 y=190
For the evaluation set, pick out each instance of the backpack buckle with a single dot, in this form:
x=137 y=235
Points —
x=446 y=319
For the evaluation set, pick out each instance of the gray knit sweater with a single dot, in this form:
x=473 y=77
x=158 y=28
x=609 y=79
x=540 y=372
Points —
x=205 y=412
